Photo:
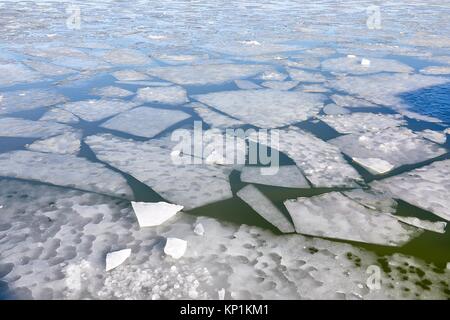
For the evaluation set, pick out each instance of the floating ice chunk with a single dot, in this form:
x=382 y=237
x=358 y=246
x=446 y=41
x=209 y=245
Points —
x=265 y=208
x=280 y=85
x=206 y=73
x=188 y=184
x=150 y=214
x=63 y=170
x=333 y=109
x=265 y=108
x=175 y=247
x=305 y=76
x=374 y=165
x=130 y=75
x=145 y=121
x=363 y=122
x=116 y=258
x=59 y=115
x=215 y=119
x=321 y=163
x=11 y=73
x=246 y=84
x=333 y=215
x=437 y=226
x=272 y=75
x=14 y=127
x=287 y=177
x=112 y=92
x=398 y=146
x=166 y=95
x=432 y=70
x=364 y=66
x=127 y=57
x=95 y=110
x=22 y=100
x=427 y=187
x=48 y=69
x=199 y=229
x=434 y=136
x=221 y=293
x=67 y=143
x=351 y=102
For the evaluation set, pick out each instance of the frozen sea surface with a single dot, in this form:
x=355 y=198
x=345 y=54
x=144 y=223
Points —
x=88 y=113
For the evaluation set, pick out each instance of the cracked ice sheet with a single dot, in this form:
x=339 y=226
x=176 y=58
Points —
x=287 y=177
x=189 y=185
x=11 y=74
x=213 y=118
x=67 y=143
x=14 y=127
x=426 y=187
x=397 y=146
x=95 y=110
x=362 y=122
x=265 y=208
x=333 y=215
x=265 y=108
x=353 y=66
x=205 y=74
x=145 y=121
x=321 y=163
x=390 y=85
x=63 y=170
x=23 y=100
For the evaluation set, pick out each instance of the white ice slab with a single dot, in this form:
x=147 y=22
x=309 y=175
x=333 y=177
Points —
x=67 y=143
x=265 y=208
x=265 y=108
x=287 y=177
x=175 y=247
x=15 y=127
x=150 y=214
x=333 y=215
x=427 y=187
x=116 y=258
x=23 y=100
x=363 y=122
x=95 y=110
x=145 y=121
x=166 y=95
x=364 y=66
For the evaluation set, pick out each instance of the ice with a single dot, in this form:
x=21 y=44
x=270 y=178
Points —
x=48 y=69
x=199 y=229
x=333 y=215
x=190 y=185
x=177 y=59
x=145 y=121
x=351 y=102
x=286 y=176
x=166 y=95
x=434 y=70
x=150 y=214
x=438 y=226
x=130 y=75
x=363 y=122
x=112 y=92
x=435 y=136
x=60 y=115
x=67 y=143
x=11 y=74
x=271 y=75
x=372 y=199
x=305 y=76
x=175 y=247
x=221 y=293
x=265 y=108
x=398 y=146
x=418 y=116
x=14 y=127
x=213 y=118
x=333 y=109
x=116 y=258
x=95 y=110
x=365 y=62
x=426 y=187
x=364 y=66
x=247 y=48
x=246 y=84
x=63 y=170
x=127 y=57
x=280 y=85
x=321 y=163
x=265 y=208
x=22 y=100
x=206 y=73
x=391 y=86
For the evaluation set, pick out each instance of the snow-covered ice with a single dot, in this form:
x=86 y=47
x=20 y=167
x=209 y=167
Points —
x=12 y=73
x=150 y=214
x=280 y=85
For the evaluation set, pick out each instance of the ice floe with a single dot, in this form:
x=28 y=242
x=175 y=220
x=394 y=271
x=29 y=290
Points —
x=130 y=75
x=265 y=208
x=127 y=57
x=175 y=247
x=287 y=176
x=15 y=127
x=95 y=110
x=150 y=214
x=266 y=108
x=12 y=73
x=213 y=118
x=116 y=258
x=165 y=95
x=145 y=121
x=67 y=143
x=351 y=102
x=22 y=100
x=426 y=187
x=60 y=115
x=363 y=122
x=112 y=92
x=333 y=215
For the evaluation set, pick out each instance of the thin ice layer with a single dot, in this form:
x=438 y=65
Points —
x=286 y=177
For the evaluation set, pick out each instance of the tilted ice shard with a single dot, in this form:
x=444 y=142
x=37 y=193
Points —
x=286 y=176
x=22 y=100
x=427 y=187
x=265 y=208
x=165 y=95
x=333 y=215
x=95 y=110
x=150 y=214
x=175 y=247
x=116 y=258
x=15 y=127
x=265 y=108
x=63 y=170
x=145 y=121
